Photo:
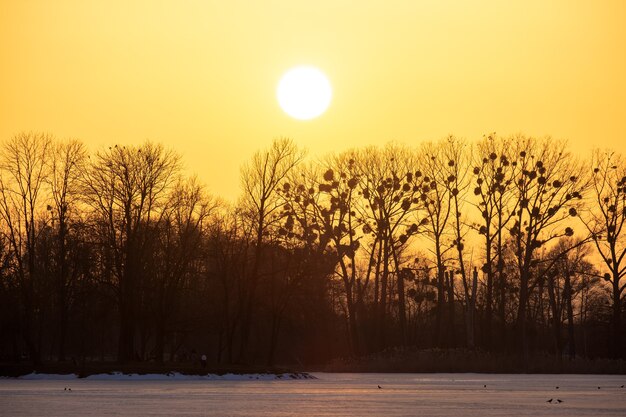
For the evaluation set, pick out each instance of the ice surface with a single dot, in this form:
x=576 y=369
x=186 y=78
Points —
x=481 y=395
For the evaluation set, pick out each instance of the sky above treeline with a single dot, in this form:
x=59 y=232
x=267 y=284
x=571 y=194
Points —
x=201 y=76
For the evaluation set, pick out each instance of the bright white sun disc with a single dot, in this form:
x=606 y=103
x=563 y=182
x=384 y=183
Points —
x=304 y=93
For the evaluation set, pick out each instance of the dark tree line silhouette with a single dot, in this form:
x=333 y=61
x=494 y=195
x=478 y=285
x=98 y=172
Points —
x=509 y=244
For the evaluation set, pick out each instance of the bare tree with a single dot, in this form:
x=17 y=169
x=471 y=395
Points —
x=438 y=209
x=393 y=194
x=549 y=190
x=126 y=187
x=180 y=241
x=261 y=178
x=23 y=169
x=324 y=207
x=456 y=171
x=565 y=280
x=495 y=200
x=228 y=248
x=67 y=163
x=605 y=221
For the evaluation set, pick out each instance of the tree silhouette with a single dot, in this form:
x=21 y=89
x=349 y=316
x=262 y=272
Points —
x=494 y=173
x=126 y=187
x=23 y=170
x=605 y=220
x=67 y=166
x=261 y=178
x=438 y=210
x=549 y=190
x=117 y=253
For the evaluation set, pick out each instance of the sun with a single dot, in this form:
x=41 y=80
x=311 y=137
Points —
x=304 y=92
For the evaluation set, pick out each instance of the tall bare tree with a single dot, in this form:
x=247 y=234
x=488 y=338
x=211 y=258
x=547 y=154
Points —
x=179 y=248
x=228 y=248
x=393 y=194
x=494 y=174
x=605 y=221
x=67 y=163
x=565 y=280
x=457 y=153
x=438 y=209
x=127 y=188
x=260 y=179
x=23 y=170
x=549 y=189
x=323 y=203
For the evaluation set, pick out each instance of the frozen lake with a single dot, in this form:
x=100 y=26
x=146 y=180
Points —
x=329 y=395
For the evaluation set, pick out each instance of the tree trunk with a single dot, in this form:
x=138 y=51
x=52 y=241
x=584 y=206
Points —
x=556 y=318
x=249 y=301
x=352 y=324
x=440 y=296
x=470 y=302
x=617 y=318
x=522 y=320
x=126 y=345
x=501 y=280
x=382 y=307
x=401 y=299
x=452 y=332
x=62 y=283
x=571 y=340
x=489 y=301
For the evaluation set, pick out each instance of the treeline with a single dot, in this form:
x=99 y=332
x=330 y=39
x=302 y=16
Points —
x=509 y=245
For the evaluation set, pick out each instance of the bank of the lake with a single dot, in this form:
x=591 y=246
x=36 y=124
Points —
x=139 y=368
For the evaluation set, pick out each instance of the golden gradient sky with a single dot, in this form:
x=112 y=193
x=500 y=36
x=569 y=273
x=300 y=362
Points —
x=200 y=76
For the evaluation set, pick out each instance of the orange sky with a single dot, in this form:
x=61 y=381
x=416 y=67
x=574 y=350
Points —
x=200 y=76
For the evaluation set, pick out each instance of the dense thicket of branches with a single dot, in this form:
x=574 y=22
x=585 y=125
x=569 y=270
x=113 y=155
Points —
x=511 y=245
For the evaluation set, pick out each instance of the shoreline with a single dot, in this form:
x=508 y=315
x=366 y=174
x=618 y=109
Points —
x=427 y=361
x=168 y=376
x=17 y=370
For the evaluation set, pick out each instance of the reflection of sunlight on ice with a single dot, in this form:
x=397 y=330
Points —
x=330 y=394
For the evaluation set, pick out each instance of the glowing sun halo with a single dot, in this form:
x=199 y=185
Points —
x=304 y=93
